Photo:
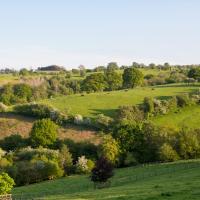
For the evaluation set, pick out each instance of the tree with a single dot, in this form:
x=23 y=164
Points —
x=82 y=70
x=194 y=73
x=148 y=105
x=109 y=148
x=22 y=92
x=112 y=66
x=94 y=83
x=23 y=72
x=102 y=171
x=43 y=133
x=113 y=79
x=132 y=77
x=129 y=137
x=65 y=159
x=167 y=153
x=6 y=183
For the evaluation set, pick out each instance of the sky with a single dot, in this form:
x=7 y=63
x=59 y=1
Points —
x=94 y=32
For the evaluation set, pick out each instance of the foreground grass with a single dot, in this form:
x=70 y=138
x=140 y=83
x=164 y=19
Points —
x=174 y=181
x=108 y=102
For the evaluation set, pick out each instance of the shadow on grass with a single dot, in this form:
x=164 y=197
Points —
x=107 y=112
x=10 y=115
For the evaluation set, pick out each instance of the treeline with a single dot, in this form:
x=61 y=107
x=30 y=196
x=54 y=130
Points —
x=108 y=81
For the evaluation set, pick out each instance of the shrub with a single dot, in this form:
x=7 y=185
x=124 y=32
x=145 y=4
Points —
x=103 y=122
x=65 y=159
x=167 y=153
x=3 y=107
x=148 y=105
x=183 y=100
x=189 y=143
x=22 y=93
x=6 y=183
x=43 y=133
x=82 y=166
x=130 y=160
x=129 y=113
x=41 y=111
x=52 y=170
x=109 y=148
x=13 y=142
x=132 y=77
x=78 y=119
x=102 y=171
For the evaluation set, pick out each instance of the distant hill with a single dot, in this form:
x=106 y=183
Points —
x=51 y=68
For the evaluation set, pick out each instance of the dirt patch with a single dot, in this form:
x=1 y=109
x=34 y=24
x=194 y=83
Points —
x=12 y=124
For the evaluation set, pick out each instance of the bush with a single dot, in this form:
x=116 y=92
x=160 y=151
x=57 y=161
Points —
x=6 y=183
x=109 y=149
x=65 y=159
x=13 y=142
x=148 y=105
x=102 y=171
x=167 y=153
x=130 y=113
x=130 y=160
x=183 y=100
x=43 y=133
x=78 y=119
x=3 y=107
x=103 y=122
x=82 y=165
x=132 y=77
x=188 y=143
x=41 y=111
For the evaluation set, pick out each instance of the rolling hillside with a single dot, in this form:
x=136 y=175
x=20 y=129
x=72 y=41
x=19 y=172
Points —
x=108 y=102
x=174 y=181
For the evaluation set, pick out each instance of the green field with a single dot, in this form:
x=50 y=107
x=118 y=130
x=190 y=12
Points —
x=174 y=181
x=108 y=102
x=189 y=116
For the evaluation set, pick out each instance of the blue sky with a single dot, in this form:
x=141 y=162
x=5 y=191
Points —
x=95 y=32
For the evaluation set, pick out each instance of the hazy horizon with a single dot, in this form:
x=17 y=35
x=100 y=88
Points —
x=93 y=33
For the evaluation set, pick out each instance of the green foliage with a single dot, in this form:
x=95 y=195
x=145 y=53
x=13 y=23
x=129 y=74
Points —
x=113 y=79
x=129 y=137
x=103 y=122
x=194 y=73
x=43 y=133
x=189 y=143
x=13 y=142
x=183 y=100
x=130 y=160
x=109 y=148
x=65 y=159
x=22 y=93
x=41 y=111
x=112 y=66
x=132 y=77
x=167 y=153
x=129 y=113
x=94 y=83
x=6 y=183
x=148 y=105
x=83 y=165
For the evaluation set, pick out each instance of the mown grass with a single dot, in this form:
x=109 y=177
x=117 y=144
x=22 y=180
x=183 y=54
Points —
x=174 y=181
x=108 y=102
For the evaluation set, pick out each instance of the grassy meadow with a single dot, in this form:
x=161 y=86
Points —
x=174 y=181
x=107 y=102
